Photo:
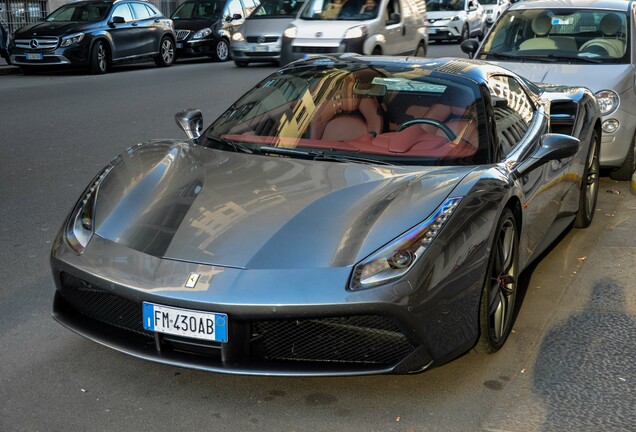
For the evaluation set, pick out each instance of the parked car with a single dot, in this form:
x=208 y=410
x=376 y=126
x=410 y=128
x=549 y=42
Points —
x=205 y=27
x=388 y=27
x=95 y=34
x=493 y=9
x=348 y=215
x=455 y=20
x=259 y=38
x=587 y=43
x=4 y=38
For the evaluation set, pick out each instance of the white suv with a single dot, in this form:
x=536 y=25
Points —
x=455 y=20
x=494 y=8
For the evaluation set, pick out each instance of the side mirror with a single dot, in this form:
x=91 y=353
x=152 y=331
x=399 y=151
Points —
x=237 y=16
x=394 y=18
x=118 y=20
x=553 y=147
x=191 y=122
x=471 y=7
x=470 y=46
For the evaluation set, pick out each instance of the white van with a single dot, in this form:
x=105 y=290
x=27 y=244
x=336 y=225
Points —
x=389 y=27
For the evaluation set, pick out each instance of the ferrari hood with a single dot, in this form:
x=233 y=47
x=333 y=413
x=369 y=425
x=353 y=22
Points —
x=618 y=77
x=190 y=203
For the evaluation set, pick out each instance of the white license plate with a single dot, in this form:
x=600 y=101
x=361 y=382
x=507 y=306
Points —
x=432 y=31
x=210 y=326
x=36 y=56
x=179 y=45
x=260 y=48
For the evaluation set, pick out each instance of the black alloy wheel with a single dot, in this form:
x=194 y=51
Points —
x=626 y=170
x=589 y=186
x=465 y=33
x=500 y=287
x=420 y=51
x=166 y=55
x=221 y=51
x=100 y=58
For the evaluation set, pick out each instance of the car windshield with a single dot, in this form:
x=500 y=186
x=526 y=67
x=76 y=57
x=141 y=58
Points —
x=488 y=2
x=444 y=5
x=385 y=114
x=81 y=12
x=277 y=8
x=198 y=10
x=562 y=35
x=350 y=10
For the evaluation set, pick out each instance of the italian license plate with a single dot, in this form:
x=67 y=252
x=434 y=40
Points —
x=185 y=322
x=261 y=48
x=179 y=45
x=432 y=31
x=34 y=56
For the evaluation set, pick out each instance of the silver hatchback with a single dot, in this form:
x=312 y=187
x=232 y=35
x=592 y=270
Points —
x=581 y=42
x=259 y=38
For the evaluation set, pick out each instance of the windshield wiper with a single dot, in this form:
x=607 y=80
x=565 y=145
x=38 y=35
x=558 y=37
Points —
x=320 y=156
x=229 y=143
x=567 y=57
x=501 y=55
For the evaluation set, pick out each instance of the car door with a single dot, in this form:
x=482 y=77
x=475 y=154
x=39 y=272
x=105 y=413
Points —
x=472 y=16
x=542 y=187
x=394 y=27
x=125 y=36
x=233 y=8
x=149 y=32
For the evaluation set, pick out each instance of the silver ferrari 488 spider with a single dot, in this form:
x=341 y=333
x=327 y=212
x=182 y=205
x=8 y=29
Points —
x=348 y=215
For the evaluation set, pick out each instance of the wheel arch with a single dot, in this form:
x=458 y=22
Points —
x=103 y=38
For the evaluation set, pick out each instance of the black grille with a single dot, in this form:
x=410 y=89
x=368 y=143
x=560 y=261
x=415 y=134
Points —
x=102 y=305
x=265 y=39
x=357 y=339
x=315 y=50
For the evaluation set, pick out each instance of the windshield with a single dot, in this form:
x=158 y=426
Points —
x=350 y=10
x=444 y=5
x=198 y=10
x=277 y=8
x=488 y=2
x=578 y=36
x=81 y=12
x=393 y=114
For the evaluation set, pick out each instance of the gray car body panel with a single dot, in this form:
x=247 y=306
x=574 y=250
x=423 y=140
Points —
x=305 y=225
x=255 y=27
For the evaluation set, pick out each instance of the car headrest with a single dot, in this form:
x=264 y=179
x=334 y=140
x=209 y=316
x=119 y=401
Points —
x=541 y=25
x=610 y=24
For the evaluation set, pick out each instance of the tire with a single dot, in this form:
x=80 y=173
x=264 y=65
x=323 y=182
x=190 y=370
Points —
x=589 y=186
x=465 y=33
x=498 y=298
x=221 y=50
x=625 y=171
x=420 y=51
x=100 y=58
x=241 y=63
x=166 y=55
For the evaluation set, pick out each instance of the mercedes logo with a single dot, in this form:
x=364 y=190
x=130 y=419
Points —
x=34 y=43
x=260 y=39
x=318 y=34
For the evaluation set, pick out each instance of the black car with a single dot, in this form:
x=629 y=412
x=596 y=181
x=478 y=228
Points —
x=205 y=27
x=95 y=34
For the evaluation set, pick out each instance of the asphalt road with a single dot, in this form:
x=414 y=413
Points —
x=56 y=131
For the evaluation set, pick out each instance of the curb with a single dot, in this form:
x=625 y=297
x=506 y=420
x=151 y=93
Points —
x=9 y=70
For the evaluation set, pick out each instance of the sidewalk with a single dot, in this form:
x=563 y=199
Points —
x=582 y=373
x=6 y=69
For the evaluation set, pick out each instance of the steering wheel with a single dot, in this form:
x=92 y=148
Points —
x=438 y=124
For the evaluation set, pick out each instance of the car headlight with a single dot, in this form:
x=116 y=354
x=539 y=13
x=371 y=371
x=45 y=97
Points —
x=355 y=32
x=392 y=261
x=202 y=33
x=80 y=228
x=607 y=100
x=72 y=39
x=238 y=37
x=290 y=32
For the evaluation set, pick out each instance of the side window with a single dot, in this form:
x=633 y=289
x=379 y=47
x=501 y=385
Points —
x=393 y=7
x=152 y=11
x=141 y=12
x=513 y=111
x=123 y=11
x=249 y=5
x=234 y=7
